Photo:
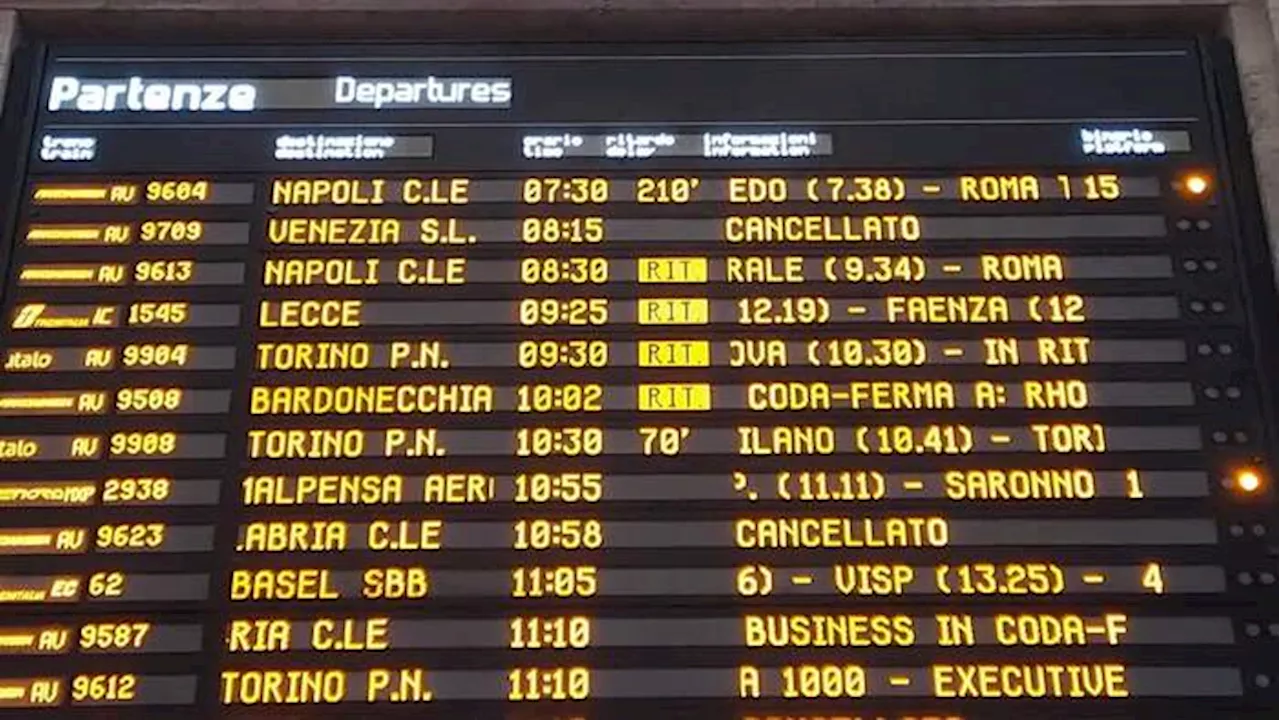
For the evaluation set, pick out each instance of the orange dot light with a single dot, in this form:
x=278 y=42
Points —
x=1195 y=184
x=1248 y=481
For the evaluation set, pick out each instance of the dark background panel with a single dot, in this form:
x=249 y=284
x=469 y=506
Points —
x=902 y=99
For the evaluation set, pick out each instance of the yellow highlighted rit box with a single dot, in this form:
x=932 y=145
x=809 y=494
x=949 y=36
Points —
x=674 y=396
x=672 y=270
x=673 y=311
x=673 y=353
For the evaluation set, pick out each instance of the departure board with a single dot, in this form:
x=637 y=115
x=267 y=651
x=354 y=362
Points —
x=836 y=381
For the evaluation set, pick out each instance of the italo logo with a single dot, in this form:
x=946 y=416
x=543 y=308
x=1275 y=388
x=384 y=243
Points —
x=137 y=94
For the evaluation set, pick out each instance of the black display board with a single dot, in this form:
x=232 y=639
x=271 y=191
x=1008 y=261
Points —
x=878 y=380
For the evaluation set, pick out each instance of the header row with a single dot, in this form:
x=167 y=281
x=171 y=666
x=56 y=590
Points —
x=1120 y=82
